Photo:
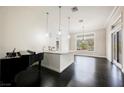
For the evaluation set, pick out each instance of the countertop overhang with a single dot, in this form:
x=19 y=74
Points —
x=60 y=52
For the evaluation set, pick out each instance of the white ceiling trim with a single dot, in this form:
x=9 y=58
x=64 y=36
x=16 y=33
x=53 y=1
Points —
x=110 y=16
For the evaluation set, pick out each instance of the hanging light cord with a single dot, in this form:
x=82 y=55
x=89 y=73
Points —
x=83 y=31
x=59 y=18
x=68 y=24
x=47 y=21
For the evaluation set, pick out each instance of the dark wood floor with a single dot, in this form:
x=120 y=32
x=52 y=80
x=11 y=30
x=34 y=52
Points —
x=85 y=72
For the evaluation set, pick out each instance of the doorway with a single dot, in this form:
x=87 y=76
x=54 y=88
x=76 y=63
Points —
x=117 y=48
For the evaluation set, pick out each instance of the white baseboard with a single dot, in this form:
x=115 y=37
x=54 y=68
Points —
x=92 y=55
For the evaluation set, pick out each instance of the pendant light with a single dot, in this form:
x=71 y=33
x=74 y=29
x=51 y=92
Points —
x=59 y=32
x=83 y=32
x=68 y=27
x=47 y=34
x=82 y=21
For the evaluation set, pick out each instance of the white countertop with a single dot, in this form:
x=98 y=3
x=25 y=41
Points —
x=60 y=52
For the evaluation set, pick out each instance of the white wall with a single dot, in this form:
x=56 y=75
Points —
x=99 y=44
x=2 y=31
x=24 y=29
x=108 y=44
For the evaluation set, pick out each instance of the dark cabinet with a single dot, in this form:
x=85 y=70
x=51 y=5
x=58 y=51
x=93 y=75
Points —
x=10 y=67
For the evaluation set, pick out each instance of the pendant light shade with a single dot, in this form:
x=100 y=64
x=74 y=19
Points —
x=69 y=36
x=59 y=32
x=47 y=34
x=68 y=27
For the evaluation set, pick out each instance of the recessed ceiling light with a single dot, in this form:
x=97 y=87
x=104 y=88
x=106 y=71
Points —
x=81 y=20
x=74 y=9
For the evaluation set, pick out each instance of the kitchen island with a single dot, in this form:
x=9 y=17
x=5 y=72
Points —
x=58 y=61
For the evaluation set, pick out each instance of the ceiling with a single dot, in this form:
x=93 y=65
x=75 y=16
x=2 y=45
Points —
x=94 y=17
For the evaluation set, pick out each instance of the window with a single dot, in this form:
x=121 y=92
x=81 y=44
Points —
x=85 y=42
